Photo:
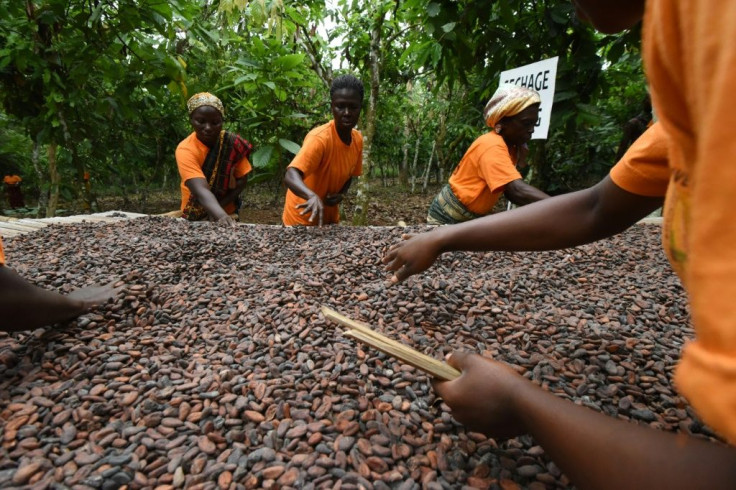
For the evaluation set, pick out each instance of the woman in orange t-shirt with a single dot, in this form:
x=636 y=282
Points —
x=488 y=168
x=322 y=171
x=213 y=163
x=12 y=189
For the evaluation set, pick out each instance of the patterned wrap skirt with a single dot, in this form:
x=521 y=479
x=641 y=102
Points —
x=446 y=209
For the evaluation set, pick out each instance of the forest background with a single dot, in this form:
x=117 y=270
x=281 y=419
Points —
x=99 y=88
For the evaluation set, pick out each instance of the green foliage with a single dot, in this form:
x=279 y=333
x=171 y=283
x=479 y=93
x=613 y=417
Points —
x=108 y=82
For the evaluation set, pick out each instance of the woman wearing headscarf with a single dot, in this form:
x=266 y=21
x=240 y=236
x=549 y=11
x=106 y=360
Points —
x=12 y=189
x=488 y=168
x=213 y=163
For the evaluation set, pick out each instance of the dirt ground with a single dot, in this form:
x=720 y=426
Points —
x=264 y=204
x=389 y=205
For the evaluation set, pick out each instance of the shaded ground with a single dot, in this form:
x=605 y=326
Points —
x=263 y=204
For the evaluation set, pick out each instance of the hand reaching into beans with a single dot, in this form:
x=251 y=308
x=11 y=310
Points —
x=314 y=207
x=414 y=254
x=226 y=221
x=92 y=296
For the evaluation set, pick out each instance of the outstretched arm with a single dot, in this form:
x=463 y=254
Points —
x=294 y=180
x=558 y=222
x=24 y=306
x=594 y=450
x=201 y=191
x=335 y=199
x=520 y=193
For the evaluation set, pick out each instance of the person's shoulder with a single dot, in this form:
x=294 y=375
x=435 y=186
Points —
x=322 y=131
x=490 y=141
x=191 y=143
x=357 y=135
x=188 y=141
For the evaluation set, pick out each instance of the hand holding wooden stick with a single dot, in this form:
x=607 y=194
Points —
x=363 y=333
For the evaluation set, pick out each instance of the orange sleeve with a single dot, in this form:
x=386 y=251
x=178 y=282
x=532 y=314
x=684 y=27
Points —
x=644 y=170
x=311 y=153
x=496 y=168
x=2 y=253
x=242 y=168
x=189 y=162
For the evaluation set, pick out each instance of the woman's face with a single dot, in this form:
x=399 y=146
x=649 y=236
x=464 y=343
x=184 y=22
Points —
x=517 y=130
x=610 y=16
x=346 y=105
x=207 y=123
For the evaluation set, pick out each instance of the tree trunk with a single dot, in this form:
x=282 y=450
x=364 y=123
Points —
x=429 y=165
x=43 y=195
x=414 y=164
x=55 y=178
x=363 y=188
x=403 y=174
x=537 y=170
x=77 y=162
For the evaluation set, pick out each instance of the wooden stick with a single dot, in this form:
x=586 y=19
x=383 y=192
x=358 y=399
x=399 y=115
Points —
x=363 y=333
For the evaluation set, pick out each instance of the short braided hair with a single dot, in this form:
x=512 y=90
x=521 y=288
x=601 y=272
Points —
x=346 y=81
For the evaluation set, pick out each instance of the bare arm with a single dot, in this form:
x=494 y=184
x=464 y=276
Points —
x=24 y=306
x=520 y=193
x=558 y=222
x=594 y=450
x=201 y=191
x=294 y=180
x=335 y=199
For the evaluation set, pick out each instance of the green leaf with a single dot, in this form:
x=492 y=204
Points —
x=289 y=146
x=262 y=156
x=270 y=85
x=290 y=60
x=433 y=9
x=449 y=26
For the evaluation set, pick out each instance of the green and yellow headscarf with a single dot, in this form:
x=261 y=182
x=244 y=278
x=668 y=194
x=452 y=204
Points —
x=509 y=100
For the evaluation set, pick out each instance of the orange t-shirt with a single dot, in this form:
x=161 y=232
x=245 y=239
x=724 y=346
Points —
x=190 y=156
x=327 y=163
x=2 y=253
x=12 y=179
x=482 y=174
x=689 y=53
x=644 y=169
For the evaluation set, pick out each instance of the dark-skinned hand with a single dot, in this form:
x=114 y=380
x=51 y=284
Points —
x=333 y=199
x=414 y=254
x=482 y=398
x=226 y=222
x=92 y=296
x=314 y=208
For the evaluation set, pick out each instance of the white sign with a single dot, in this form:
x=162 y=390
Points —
x=539 y=76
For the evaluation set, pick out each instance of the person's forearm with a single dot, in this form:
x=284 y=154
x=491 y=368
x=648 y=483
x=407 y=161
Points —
x=24 y=306
x=201 y=191
x=597 y=451
x=294 y=181
x=558 y=222
x=346 y=187
x=526 y=194
x=233 y=194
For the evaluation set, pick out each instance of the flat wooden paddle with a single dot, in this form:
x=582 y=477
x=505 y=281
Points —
x=363 y=333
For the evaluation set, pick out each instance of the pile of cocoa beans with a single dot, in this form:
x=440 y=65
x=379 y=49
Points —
x=215 y=369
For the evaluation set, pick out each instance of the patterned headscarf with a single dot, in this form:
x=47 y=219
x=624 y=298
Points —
x=509 y=100
x=204 y=98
